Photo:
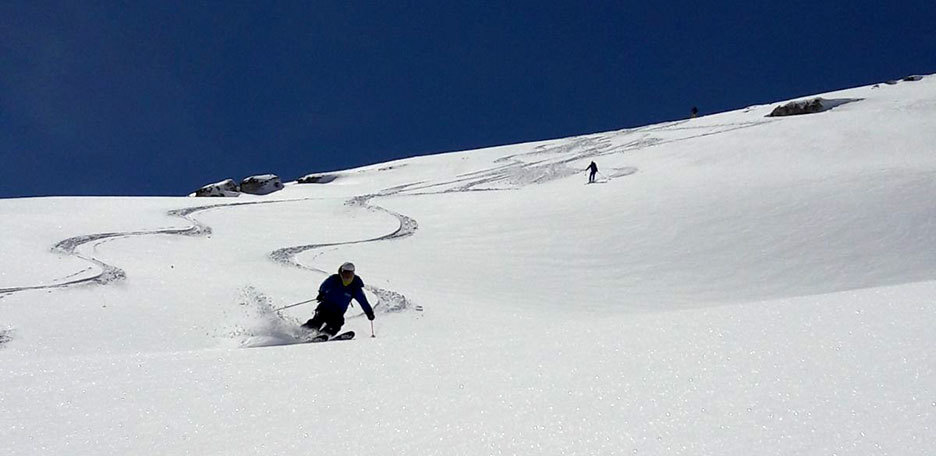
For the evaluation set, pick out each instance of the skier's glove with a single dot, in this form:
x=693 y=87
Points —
x=370 y=316
x=320 y=297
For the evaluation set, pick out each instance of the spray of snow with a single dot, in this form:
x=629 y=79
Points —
x=259 y=324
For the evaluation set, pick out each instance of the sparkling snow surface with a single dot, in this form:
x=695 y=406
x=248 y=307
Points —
x=733 y=285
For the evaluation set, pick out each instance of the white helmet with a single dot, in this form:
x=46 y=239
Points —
x=346 y=267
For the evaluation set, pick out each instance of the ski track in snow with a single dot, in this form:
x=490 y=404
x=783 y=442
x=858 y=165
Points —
x=109 y=273
x=543 y=164
x=388 y=300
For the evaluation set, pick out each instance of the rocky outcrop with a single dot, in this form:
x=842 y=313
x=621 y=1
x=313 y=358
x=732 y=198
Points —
x=261 y=185
x=317 y=178
x=225 y=188
x=255 y=185
x=795 y=108
x=813 y=105
x=911 y=78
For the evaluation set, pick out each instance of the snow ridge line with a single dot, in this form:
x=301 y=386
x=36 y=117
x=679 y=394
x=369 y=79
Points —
x=110 y=273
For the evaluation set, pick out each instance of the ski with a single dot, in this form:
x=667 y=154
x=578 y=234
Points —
x=348 y=335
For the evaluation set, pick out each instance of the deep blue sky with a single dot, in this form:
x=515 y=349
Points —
x=161 y=97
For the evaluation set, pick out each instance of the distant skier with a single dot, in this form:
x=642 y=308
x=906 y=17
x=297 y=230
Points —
x=694 y=112
x=334 y=296
x=593 y=168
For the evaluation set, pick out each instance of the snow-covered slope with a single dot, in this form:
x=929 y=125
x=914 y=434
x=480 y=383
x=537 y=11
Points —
x=734 y=284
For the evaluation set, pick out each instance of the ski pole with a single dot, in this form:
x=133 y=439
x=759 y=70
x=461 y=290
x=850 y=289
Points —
x=293 y=305
x=372 y=329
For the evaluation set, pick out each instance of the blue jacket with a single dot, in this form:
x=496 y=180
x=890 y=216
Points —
x=336 y=296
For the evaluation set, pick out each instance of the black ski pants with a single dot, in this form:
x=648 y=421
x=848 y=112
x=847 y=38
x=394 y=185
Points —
x=326 y=320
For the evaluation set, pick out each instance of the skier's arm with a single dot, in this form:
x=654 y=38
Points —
x=362 y=300
x=322 y=291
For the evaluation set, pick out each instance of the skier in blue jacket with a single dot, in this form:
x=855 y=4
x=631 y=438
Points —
x=334 y=297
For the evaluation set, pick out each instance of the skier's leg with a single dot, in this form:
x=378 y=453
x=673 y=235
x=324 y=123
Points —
x=317 y=320
x=333 y=324
x=313 y=324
